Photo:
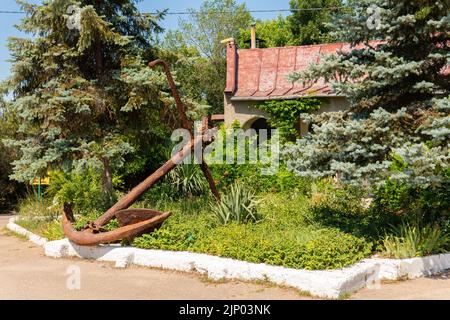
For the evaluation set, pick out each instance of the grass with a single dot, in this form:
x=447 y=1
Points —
x=344 y=296
x=41 y=218
x=51 y=230
x=10 y=233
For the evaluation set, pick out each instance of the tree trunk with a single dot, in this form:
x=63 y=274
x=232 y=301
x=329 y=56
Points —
x=98 y=59
x=98 y=49
x=107 y=186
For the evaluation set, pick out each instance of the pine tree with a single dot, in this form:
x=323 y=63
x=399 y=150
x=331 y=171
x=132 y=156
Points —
x=10 y=190
x=81 y=86
x=399 y=125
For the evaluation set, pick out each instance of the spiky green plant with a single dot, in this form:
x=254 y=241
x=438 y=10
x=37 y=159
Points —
x=187 y=180
x=238 y=205
x=408 y=241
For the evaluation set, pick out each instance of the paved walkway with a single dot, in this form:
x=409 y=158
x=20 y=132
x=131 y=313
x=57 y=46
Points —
x=25 y=273
x=432 y=288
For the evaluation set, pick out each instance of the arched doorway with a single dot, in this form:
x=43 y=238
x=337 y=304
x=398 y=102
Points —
x=258 y=124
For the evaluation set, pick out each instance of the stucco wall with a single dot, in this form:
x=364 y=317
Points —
x=242 y=111
x=333 y=104
x=246 y=112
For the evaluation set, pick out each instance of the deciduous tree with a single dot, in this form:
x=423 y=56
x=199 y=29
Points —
x=310 y=19
x=203 y=57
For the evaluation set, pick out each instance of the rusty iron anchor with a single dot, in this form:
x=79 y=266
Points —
x=135 y=222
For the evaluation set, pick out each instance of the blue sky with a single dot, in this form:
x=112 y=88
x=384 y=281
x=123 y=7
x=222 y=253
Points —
x=7 y=21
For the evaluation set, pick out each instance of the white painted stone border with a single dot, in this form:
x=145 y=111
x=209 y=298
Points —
x=320 y=283
x=40 y=241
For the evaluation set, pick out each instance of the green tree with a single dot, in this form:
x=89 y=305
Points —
x=274 y=33
x=201 y=55
x=81 y=88
x=399 y=124
x=10 y=190
x=309 y=25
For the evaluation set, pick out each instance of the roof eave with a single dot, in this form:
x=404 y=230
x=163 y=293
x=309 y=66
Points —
x=286 y=97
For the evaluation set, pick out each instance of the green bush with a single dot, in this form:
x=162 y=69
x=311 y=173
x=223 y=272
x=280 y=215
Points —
x=40 y=217
x=282 y=181
x=185 y=181
x=393 y=197
x=238 y=204
x=179 y=233
x=82 y=190
x=50 y=230
x=251 y=174
x=408 y=241
x=329 y=249
x=83 y=220
x=343 y=207
x=424 y=204
x=10 y=190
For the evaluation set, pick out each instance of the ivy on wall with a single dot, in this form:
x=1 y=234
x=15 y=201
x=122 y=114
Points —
x=284 y=114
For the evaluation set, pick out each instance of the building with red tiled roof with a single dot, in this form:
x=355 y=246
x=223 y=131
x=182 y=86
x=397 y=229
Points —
x=255 y=75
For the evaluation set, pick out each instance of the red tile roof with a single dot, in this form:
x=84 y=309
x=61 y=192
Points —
x=262 y=73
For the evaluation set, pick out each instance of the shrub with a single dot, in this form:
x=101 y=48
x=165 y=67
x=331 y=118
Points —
x=408 y=241
x=159 y=195
x=53 y=231
x=83 y=220
x=282 y=181
x=50 y=230
x=343 y=207
x=392 y=197
x=328 y=249
x=82 y=190
x=10 y=190
x=239 y=205
x=178 y=233
x=40 y=217
x=420 y=204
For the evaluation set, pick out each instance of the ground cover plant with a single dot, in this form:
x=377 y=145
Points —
x=284 y=234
